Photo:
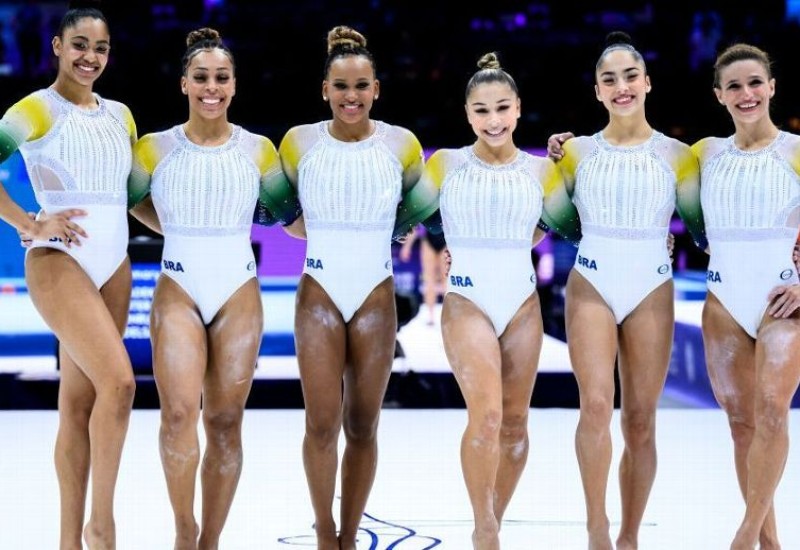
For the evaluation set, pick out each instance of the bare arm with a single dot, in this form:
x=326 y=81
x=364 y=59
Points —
x=145 y=212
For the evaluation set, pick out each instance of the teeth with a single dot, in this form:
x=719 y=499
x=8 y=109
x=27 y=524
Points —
x=747 y=105
x=210 y=101
x=87 y=69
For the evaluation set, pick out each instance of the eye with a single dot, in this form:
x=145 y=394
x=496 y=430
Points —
x=199 y=78
x=733 y=86
x=503 y=108
x=608 y=81
x=362 y=85
x=102 y=50
x=80 y=45
x=481 y=110
x=340 y=86
x=223 y=78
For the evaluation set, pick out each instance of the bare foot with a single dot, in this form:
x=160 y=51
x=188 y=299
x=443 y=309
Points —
x=600 y=540
x=346 y=544
x=486 y=539
x=627 y=543
x=186 y=537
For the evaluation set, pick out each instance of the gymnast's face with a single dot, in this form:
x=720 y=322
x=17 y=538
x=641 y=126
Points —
x=209 y=83
x=82 y=51
x=621 y=83
x=745 y=90
x=350 y=88
x=493 y=110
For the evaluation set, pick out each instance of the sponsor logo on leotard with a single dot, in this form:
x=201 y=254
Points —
x=251 y=266
x=314 y=264
x=786 y=274
x=388 y=264
x=173 y=266
x=458 y=280
x=58 y=240
x=713 y=276
x=662 y=269
x=533 y=278
x=587 y=263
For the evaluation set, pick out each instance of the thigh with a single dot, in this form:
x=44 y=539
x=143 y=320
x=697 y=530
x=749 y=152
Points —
x=645 y=346
x=116 y=294
x=520 y=347
x=778 y=358
x=591 y=336
x=473 y=351
x=371 y=335
x=180 y=348
x=730 y=356
x=234 y=339
x=320 y=346
x=76 y=312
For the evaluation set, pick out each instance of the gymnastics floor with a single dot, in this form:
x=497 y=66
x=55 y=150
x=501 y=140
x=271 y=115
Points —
x=418 y=501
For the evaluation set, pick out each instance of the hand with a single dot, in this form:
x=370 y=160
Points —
x=59 y=226
x=784 y=300
x=554 y=142
x=670 y=244
x=796 y=257
x=25 y=240
x=448 y=260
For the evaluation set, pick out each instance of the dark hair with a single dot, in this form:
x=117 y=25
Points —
x=344 y=41
x=77 y=10
x=489 y=71
x=618 y=40
x=741 y=52
x=202 y=40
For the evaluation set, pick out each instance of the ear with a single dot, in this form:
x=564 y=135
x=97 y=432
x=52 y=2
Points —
x=57 y=45
x=325 y=90
x=184 y=90
x=519 y=107
x=647 y=86
x=377 y=88
x=233 y=92
x=718 y=93
x=771 y=87
x=597 y=93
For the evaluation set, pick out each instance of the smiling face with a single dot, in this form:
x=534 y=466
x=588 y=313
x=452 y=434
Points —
x=622 y=83
x=82 y=51
x=209 y=83
x=745 y=89
x=351 y=88
x=493 y=110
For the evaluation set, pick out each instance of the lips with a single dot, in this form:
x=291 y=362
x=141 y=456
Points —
x=623 y=100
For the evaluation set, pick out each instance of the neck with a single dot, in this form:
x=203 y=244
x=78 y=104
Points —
x=351 y=132
x=504 y=154
x=628 y=130
x=73 y=92
x=755 y=136
x=207 y=132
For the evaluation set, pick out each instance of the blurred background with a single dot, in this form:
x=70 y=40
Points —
x=425 y=54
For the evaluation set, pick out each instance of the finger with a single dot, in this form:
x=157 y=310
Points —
x=78 y=230
x=775 y=292
x=777 y=306
x=73 y=213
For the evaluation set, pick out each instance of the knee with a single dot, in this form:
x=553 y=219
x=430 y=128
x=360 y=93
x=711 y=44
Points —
x=323 y=430
x=772 y=417
x=120 y=391
x=361 y=429
x=514 y=433
x=741 y=418
x=223 y=426
x=176 y=419
x=638 y=427
x=486 y=427
x=596 y=411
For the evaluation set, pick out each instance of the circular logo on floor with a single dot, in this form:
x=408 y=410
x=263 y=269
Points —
x=662 y=269
x=786 y=274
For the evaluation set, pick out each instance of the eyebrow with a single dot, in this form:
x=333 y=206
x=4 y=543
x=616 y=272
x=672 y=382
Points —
x=499 y=101
x=81 y=37
x=628 y=70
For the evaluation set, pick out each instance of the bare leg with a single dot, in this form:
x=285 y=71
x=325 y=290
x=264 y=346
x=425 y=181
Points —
x=320 y=344
x=645 y=348
x=592 y=342
x=777 y=379
x=75 y=402
x=520 y=346
x=234 y=338
x=431 y=264
x=370 y=351
x=473 y=351
x=179 y=365
x=88 y=324
x=730 y=360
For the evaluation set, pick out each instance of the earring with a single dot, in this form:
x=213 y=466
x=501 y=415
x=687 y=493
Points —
x=376 y=96
x=324 y=98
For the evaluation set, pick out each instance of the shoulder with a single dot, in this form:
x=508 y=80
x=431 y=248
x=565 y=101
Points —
x=151 y=148
x=707 y=147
